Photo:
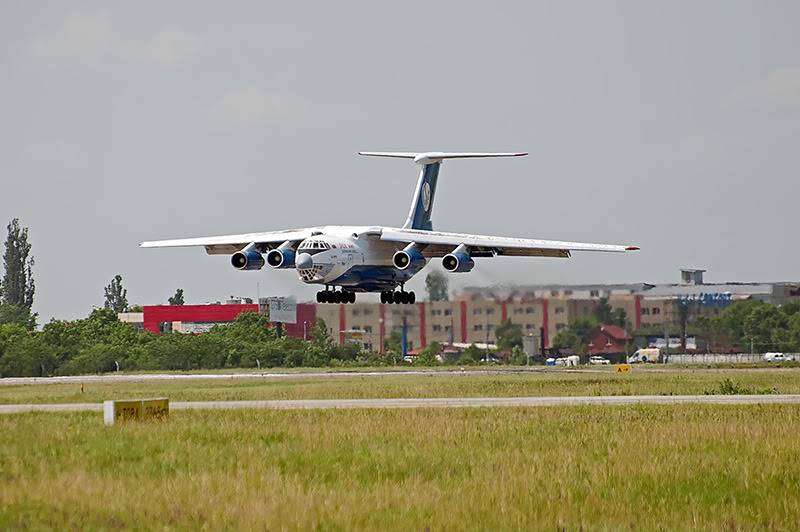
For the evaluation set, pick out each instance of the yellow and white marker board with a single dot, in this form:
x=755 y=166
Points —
x=623 y=368
x=134 y=409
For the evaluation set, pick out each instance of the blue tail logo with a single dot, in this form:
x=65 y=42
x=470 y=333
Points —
x=419 y=217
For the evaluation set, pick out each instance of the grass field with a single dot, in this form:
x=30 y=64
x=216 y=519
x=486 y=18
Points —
x=654 y=467
x=560 y=383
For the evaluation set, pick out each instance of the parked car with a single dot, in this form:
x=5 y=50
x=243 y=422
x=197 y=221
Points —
x=598 y=360
x=777 y=357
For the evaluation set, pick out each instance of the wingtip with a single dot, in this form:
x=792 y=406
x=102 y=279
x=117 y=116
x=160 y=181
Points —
x=632 y=248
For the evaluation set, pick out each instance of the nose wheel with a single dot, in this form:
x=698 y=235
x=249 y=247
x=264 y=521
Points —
x=332 y=296
x=400 y=297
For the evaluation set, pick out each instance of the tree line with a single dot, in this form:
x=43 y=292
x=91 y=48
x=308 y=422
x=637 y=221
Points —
x=101 y=343
x=745 y=326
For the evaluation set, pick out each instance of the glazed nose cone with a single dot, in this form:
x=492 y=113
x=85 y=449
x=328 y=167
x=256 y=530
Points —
x=304 y=261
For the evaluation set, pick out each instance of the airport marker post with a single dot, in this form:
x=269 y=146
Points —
x=134 y=410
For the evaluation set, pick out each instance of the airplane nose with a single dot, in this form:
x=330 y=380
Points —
x=304 y=261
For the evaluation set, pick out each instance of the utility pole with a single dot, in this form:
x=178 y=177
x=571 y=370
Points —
x=487 y=339
x=451 y=330
x=404 y=338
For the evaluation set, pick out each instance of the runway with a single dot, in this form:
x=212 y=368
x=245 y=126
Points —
x=289 y=375
x=450 y=402
x=145 y=377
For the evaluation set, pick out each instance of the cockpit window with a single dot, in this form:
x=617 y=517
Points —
x=313 y=246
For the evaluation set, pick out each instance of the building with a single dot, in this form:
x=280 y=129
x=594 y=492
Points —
x=195 y=319
x=474 y=314
x=608 y=339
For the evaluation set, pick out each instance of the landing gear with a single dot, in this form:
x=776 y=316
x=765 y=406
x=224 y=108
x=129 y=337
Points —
x=332 y=296
x=400 y=298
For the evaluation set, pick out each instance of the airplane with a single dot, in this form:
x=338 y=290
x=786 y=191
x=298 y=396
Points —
x=376 y=258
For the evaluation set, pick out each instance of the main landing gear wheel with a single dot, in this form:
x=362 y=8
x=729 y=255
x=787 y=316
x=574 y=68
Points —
x=331 y=296
x=400 y=298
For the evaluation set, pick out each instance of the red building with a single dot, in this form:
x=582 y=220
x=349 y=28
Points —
x=608 y=339
x=200 y=318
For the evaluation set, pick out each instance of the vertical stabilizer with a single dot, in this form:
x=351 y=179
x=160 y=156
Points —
x=419 y=217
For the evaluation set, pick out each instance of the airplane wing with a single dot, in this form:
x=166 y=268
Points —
x=439 y=244
x=228 y=244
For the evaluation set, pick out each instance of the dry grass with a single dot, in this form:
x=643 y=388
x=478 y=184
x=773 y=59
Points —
x=655 y=467
x=639 y=382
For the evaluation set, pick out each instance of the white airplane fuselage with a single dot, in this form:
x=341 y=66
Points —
x=351 y=257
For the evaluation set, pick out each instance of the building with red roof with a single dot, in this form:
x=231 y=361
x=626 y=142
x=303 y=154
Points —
x=608 y=339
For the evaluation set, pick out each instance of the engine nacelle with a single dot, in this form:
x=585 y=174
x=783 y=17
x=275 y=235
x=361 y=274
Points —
x=281 y=258
x=247 y=260
x=410 y=257
x=458 y=261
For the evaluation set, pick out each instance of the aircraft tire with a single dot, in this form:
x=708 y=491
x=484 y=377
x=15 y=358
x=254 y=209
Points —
x=390 y=297
x=412 y=298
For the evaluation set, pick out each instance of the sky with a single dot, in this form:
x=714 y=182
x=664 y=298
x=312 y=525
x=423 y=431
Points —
x=674 y=126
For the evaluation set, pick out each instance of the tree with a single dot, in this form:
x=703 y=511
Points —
x=732 y=321
x=436 y=284
x=620 y=318
x=471 y=355
x=573 y=335
x=177 y=299
x=603 y=312
x=320 y=336
x=509 y=335
x=19 y=314
x=116 y=296
x=427 y=357
x=17 y=286
x=393 y=342
x=767 y=327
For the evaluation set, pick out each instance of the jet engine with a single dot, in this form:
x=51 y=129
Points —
x=458 y=261
x=247 y=259
x=410 y=257
x=281 y=257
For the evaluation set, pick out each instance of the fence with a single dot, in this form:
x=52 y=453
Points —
x=738 y=358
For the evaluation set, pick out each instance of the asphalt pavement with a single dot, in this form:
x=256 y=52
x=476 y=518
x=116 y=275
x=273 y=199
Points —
x=436 y=402
x=322 y=374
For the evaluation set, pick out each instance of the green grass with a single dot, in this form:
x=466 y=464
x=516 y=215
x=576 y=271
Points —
x=558 y=383
x=643 y=467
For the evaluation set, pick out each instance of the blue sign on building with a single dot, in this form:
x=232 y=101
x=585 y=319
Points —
x=710 y=299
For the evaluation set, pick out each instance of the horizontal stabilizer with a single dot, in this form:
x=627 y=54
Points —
x=437 y=156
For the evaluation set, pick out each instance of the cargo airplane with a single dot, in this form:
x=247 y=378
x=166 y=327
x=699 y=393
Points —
x=375 y=258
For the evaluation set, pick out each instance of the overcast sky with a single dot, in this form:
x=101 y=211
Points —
x=674 y=126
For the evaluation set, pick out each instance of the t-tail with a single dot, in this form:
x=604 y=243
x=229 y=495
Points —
x=419 y=216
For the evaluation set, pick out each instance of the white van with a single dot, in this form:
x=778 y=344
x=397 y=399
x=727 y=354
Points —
x=652 y=354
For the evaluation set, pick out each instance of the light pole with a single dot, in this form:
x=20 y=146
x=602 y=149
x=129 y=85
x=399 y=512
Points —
x=380 y=334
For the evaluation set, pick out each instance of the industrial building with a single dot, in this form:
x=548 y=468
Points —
x=473 y=314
